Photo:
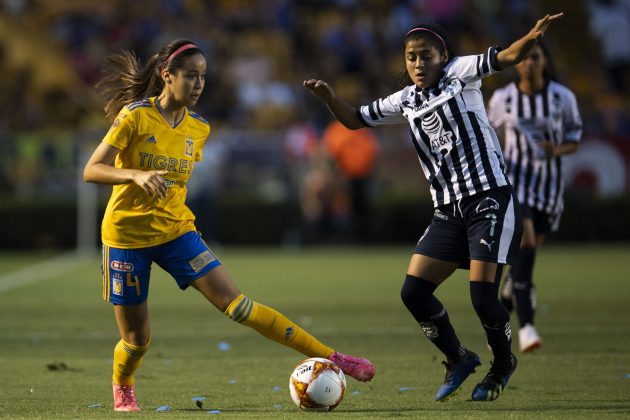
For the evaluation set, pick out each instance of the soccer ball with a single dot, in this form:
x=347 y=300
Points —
x=317 y=384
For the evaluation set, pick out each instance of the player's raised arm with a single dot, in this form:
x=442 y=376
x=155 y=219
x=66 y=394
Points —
x=345 y=113
x=519 y=49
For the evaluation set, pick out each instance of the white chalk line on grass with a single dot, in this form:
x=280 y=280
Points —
x=40 y=271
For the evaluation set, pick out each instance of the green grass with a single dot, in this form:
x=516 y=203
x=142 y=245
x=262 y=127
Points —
x=347 y=297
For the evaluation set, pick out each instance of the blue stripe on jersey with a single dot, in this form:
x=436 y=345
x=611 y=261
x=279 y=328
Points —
x=198 y=117
x=131 y=108
x=139 y=104
x=135 y=104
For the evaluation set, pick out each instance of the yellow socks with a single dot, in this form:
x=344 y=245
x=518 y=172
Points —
x=127 y=358
x=275 y=326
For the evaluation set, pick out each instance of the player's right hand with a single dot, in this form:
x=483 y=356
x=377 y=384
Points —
x=152 y=182
x=543 y=24
x=320 y=88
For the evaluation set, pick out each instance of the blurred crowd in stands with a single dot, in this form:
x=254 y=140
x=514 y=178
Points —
x=258 y=54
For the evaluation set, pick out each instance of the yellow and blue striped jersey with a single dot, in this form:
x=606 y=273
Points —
x=134 y=219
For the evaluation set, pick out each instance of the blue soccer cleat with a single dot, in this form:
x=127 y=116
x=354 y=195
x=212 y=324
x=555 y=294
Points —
x=456 y=374
x=492 y=386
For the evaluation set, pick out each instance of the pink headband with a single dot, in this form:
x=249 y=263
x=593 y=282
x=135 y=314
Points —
x=177 y=51
x=428 y=30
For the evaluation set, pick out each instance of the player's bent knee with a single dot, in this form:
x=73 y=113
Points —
x=416 y=290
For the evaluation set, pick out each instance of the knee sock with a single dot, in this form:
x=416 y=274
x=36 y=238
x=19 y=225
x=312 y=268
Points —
x=495 y=319
x=523 y=284
x=275 y=326
x=127 y=358
x=417 y=295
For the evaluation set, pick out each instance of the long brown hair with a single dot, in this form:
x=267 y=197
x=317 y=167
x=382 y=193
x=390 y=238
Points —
x=126 y=80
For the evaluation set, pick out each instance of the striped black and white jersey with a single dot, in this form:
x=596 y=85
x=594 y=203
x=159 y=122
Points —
x=458 y=150
x=526 y=120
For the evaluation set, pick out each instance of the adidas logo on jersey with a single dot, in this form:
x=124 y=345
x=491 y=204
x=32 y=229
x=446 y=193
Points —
x=151 y=139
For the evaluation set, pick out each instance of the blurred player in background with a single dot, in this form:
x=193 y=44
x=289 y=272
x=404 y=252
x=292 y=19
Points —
x=477 y=222
x=540 y=122
x=354 y=153
x=148 y=156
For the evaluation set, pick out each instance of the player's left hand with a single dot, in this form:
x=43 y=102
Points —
x=542 y=24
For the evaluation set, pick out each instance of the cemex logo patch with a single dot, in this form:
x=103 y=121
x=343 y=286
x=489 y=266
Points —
x=122 y=266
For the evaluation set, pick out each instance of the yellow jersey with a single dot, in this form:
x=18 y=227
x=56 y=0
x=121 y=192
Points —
x=133 y=218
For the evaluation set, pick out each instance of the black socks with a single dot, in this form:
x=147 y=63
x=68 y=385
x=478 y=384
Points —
x=495 y=319
x=417 y=295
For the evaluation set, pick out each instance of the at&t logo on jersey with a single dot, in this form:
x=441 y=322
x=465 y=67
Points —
x=432 y=125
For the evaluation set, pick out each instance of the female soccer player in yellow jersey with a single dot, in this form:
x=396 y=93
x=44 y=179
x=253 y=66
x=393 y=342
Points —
x=148 y=156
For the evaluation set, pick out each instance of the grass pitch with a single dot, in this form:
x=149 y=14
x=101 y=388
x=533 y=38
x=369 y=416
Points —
x=57 y=338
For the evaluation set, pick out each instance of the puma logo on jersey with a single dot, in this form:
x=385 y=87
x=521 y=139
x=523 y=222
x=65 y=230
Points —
x=489 y=245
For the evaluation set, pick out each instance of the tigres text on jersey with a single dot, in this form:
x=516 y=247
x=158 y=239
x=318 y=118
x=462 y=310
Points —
x=134 y=219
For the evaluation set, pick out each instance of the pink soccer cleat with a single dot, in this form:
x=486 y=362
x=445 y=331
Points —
x=125 y=398
x=359 y=368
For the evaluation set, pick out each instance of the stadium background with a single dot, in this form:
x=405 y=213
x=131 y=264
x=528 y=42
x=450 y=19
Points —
x=246 y=190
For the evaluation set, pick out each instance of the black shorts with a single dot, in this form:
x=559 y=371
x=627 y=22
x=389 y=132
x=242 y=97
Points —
x=486 y=226
x=543 y=222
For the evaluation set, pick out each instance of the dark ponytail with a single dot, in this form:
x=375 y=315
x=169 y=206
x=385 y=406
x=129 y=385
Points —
x=126 y=81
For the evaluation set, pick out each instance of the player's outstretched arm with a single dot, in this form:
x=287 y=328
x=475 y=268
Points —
x=516 y=52
x=345 y=113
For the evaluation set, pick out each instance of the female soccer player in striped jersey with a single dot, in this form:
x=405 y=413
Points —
x=540 y=121
x=148 y=156
x=477 y=222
